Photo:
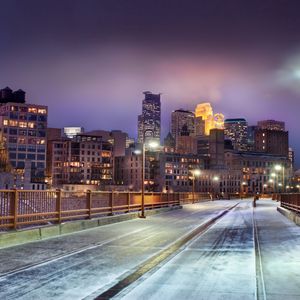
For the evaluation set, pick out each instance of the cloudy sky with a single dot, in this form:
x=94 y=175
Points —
x=90 y=60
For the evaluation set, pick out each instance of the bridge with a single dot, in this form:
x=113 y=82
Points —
x=222 y=249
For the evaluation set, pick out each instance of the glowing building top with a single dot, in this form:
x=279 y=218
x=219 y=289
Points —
x=211 y=120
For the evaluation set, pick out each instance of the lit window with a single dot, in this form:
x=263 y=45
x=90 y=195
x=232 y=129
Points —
x=13 y=123
x=32 y=110
x=23 y=124
x=42 y=111
x=31 y=125
x=5 y=122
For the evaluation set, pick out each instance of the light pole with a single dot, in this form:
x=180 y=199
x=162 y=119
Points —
x=279 y=168
x=216 y=180
x=273 y=175
x=272 y=181
x=195 y=174
x=264 y=188
x=152 y=144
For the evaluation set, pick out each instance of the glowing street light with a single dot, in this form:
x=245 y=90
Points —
x=151 y=144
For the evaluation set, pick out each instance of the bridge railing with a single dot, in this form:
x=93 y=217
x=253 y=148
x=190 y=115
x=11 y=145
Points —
x=290 y=202
x=25 y=208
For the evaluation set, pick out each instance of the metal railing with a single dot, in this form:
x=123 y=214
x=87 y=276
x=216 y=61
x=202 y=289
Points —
x=24 y=208
x=290 y=202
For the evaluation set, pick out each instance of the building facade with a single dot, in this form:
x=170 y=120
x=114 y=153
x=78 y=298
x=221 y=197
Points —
x=23 y=127
x=149 y=122
x=236 y=130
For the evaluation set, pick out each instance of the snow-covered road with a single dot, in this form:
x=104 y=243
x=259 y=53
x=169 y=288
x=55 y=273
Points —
x=230 y=260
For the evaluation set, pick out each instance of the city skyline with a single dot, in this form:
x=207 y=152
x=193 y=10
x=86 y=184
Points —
x=106 y=54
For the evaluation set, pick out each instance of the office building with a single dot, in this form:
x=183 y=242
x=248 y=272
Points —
x=236 y=130
x=271 y=125
x=23 y=127
x=272 y=141
x=70 y=132
x=182 y=123
x=149 y=122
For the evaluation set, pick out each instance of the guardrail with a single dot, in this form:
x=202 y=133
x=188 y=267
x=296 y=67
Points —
x=24 y=208
x=290 y=202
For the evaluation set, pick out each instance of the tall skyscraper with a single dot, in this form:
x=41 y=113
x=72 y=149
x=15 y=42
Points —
x=204 y=113
x=236 y=131
x=182 y=123
x=149 y=122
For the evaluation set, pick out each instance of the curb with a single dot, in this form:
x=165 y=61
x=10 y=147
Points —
x=289 y=214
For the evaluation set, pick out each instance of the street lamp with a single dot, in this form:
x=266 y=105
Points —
x=272 y=181
x=264 y=188
x=216 y=180
x=153 y=145
x=195 y=174
x=279 y=168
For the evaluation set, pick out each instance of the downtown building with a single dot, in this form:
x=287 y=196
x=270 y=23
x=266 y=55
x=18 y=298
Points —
x=149 y=122
x=23 y=128
x=85 y=159
x=236 y=130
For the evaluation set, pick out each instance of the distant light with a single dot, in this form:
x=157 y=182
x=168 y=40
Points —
x=244 y=183
x=216 y=178
x=137 y=151
x=273 y=175
x=196 y=172
x=280 y=184
x=271 y=180
x=278 y=167
x=153 y=144
x=265 y=185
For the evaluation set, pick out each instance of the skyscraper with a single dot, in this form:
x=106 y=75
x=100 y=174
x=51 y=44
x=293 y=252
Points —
x=204 y=113
x=182 y=123
x=236 y=131
x=150 y=120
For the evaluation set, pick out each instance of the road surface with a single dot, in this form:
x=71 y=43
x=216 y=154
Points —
x=245 y=254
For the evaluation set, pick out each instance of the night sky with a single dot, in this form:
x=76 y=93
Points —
x=90 y=60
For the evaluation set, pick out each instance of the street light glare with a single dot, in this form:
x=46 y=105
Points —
x=153 y=144
x=216 y=178
x=278 y=167
x=196 y=172
x=273 y=175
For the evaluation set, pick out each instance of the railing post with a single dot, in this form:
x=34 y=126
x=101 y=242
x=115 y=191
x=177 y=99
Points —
x=15 y=207
x=89 y=203
x=128 y=201
x=111 y=203
x=58 y=205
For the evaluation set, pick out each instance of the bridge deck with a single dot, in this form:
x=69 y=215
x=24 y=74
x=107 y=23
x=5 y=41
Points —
x=222 y=261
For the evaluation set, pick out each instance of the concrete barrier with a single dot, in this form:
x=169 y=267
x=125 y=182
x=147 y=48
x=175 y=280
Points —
x=289 y=214
x=13 y=238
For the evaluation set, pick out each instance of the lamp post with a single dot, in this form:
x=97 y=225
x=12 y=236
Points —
x=273 y=175
x=272 y=181
x=264 y=188
x=195 y=174
x=151 y=144
x=216 y=180
x=279 y=168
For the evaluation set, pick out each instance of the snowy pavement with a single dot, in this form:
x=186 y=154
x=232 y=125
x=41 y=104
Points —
x=76 y=265
x=230 y=260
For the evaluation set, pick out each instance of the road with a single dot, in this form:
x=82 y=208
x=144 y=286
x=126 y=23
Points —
x=227 y=260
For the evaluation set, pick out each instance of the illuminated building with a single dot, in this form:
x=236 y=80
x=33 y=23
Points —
x=256 y=169
x=271 y=125
x=204 y=112
x=182 y=123
x=86 y=159
x=236 y=130
x=292 y=157
x=149 y=122
x=23 y=128
x=272 y=141
x=70 y=132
